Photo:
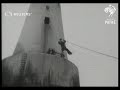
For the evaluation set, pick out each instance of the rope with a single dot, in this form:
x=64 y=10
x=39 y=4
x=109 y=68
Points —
x=93 y=50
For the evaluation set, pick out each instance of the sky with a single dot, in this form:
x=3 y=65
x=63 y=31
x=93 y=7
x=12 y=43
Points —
x=84 y=25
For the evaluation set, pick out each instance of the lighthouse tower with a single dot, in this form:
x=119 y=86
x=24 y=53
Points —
x=42 y=30
x=30 y=64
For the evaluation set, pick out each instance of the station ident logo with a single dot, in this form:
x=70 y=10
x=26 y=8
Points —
x=110 y=10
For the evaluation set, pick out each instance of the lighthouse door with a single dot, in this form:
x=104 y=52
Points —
x=46 y=28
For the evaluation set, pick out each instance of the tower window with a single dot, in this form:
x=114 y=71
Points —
x=47 y=7
x=47 y=20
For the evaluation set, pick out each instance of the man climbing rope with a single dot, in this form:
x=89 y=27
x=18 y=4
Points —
x=63 y=46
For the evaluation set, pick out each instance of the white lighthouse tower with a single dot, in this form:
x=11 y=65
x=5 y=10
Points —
x=42 y=30
x=30 y=64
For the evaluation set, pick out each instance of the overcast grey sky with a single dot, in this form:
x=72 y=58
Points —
x=83 y=24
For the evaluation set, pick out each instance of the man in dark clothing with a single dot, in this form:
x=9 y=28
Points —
x=49 y=51
x=53 y=52
x=63 y=46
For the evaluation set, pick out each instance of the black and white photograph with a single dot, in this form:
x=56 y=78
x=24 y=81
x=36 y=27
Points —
x=59 y=44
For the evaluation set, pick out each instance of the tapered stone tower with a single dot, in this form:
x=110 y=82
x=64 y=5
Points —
x=42 y=29
x=30 y=65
